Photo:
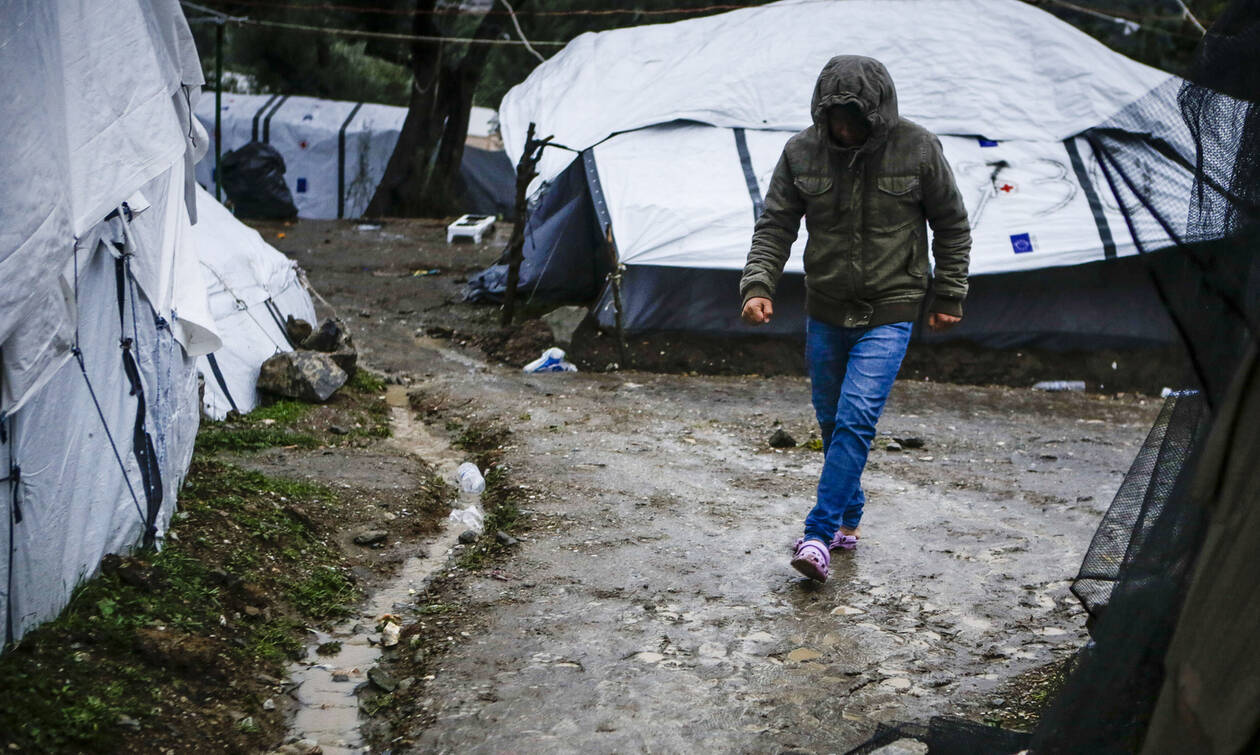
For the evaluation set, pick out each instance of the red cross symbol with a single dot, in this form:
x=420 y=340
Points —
x=1006 y=188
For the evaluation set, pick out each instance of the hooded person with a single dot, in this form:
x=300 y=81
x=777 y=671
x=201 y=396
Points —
x=868 y=183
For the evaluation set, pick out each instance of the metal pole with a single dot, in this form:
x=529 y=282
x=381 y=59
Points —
x=218 y=108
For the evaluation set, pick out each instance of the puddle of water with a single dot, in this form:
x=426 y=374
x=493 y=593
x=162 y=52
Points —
x=328 y=708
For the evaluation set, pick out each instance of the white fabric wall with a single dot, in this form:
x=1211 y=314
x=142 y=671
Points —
x=678 y=197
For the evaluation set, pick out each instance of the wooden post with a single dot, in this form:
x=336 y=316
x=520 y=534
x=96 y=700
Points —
x=614 y=279
x=525 y=173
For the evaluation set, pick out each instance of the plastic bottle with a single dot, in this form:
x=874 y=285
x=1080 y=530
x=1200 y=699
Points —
x=1060 y=385
x=470 y=479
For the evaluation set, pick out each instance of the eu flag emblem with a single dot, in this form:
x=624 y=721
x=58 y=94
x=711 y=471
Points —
x=1021 y=243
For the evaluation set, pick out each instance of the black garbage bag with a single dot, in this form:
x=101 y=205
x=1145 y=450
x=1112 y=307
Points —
x=253 y=177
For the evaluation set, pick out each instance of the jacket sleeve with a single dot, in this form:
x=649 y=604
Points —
x=951 y=231
x=773 y=235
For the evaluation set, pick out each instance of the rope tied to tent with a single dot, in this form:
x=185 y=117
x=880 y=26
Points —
x=77 y=352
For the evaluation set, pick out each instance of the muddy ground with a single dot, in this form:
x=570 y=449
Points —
x=649 y=605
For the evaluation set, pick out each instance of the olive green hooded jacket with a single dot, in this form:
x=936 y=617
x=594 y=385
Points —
x=866 y=259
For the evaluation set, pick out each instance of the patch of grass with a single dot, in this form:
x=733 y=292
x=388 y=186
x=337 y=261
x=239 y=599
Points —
x=327 y=593
x=149 y=638
x=283 y=411
x=366 y=382
x=238 y=436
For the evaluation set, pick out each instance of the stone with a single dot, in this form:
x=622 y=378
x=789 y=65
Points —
x=505 y=539
x=781 y=439
x=846 y=611
x=269 y=704
x=370 y=537
x=564 y=322
x=893 y=446
x=800 y=655
x=468 y=537
x=911 y=443
x=347 y=359
x=899 y=683
x=382 y=680
x=305 y=375
x=297 y=330
x=329 y=338
x=903 y=747
x=338 y=430
x=340 y=676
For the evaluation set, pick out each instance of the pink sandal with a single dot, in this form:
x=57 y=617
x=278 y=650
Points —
x=843 y=542
x=810 y=557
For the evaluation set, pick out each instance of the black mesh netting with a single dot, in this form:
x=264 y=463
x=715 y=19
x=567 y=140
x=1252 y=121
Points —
x=1169 y=578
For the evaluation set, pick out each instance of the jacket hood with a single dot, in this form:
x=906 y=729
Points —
x=861 y=80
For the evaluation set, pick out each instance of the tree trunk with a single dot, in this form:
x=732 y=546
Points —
x=422 y=176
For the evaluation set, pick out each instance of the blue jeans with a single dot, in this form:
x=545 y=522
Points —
x=851 y=372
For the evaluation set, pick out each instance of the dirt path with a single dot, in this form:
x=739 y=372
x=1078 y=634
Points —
x=652 y=608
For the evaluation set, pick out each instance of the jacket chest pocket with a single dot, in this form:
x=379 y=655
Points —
x=819 y=195
x=895 y=203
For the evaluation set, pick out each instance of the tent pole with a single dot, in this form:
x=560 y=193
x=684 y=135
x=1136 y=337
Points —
x=218 y=108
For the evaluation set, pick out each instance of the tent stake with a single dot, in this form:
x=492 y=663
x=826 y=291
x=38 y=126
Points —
x=525 y=173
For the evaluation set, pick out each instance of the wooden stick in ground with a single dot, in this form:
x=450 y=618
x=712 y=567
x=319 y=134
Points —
x=614 y=278
x=525 y=173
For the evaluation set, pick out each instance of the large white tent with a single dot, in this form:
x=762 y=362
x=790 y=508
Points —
x=104 y=308
x=674 y=131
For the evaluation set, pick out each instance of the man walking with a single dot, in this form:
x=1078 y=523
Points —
x=866 y=181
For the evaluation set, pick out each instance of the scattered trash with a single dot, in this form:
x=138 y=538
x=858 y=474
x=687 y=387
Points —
x=781 y=439
x=367 y=227
x=893 y=446
x=471 y=517
x=390 y=630
x=469 y=227
x=422 y=273
x=552 y=360
x=470 y=479
x=1060 y=385
x=269 y=704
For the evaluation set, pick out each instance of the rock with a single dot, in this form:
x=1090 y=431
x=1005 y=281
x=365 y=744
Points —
x=340 y=676
x=305 y=375
x=846 y=611
x=347 y=359
x=903 y=747
x=893 y=446
x=503 y=538
x=564 y=322
x=468 y=537
x=338 y=430
x=329 y=338
x=127 y=722
x=780 y=439
x=382 y=680
x=297 y=330
x=406 y=684
x=253 y=611
x=803 y=654
x=269 y=704
x=370 y=537
x=911 y=443
x=899 y=683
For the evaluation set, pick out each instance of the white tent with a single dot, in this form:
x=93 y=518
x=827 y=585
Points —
x=679 y=126
x=103 y=302
x=335 y=152
x=253 y=289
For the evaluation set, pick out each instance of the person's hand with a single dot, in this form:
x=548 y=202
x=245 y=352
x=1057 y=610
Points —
x=757 y=311
x=939 y=321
